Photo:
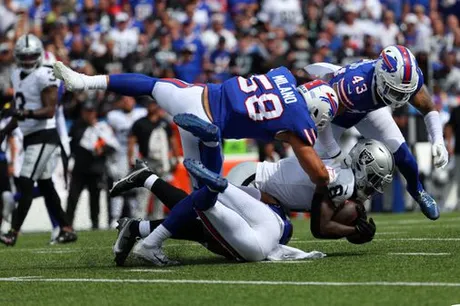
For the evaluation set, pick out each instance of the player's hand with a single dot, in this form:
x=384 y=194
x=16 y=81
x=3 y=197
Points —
x=440 y=155
x=332 y=174
x=366 y=229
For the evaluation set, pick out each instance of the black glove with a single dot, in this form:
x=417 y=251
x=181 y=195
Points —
x=365 y=231
x=19 y=114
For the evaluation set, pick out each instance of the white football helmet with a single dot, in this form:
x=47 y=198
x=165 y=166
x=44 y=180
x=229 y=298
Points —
x=28 y=52
x=321 y=101
x=396 y=75
x=373 y=166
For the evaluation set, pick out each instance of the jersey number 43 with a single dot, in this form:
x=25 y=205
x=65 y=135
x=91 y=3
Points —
x=266 y=106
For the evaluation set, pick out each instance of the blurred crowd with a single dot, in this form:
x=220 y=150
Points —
x=202 y=41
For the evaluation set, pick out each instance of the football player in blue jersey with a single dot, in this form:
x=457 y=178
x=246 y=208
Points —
x=267 y=107
x=366 y=90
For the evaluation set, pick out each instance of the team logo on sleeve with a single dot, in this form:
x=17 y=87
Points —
x=365 y=157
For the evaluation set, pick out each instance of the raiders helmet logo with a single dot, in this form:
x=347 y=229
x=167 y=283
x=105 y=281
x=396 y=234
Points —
x=365 y=157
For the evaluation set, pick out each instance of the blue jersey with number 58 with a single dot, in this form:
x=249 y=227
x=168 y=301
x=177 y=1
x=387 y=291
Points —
x=355 y=88
x=260 y=107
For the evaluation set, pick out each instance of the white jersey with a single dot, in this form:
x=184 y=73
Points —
x=27 y=93
x=121 y=123
x=285 y=14
x=289 y=184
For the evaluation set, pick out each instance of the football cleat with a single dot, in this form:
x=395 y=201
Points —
x=214 y=181
x=125 y=241
x=153 y=254
x=207 y=132
x=132 y=180
x=55 y=234
x=427 y=205
x=66 y=237
x=9 y=239
x=73 y=81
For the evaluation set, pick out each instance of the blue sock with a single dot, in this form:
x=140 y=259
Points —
x=204 y=199
x=35 y=194
x=131 y=84
x=184 y=212
x=211 y=157
x=407 y=165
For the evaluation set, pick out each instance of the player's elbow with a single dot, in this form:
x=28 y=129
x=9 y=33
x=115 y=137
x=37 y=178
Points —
x=50 y=112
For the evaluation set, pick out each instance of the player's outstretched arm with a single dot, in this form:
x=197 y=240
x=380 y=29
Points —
x=423 y=102
x=308 y=158
x=321 y=224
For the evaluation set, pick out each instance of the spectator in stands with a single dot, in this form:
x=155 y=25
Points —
x=210 y=38
x=351 y=26
x=286 y=14
x=220 y=61
x=388 y=30
x=125 y=38
x=416 y=35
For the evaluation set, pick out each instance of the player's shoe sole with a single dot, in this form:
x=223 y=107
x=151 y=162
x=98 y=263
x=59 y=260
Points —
x=211 y=179
x=153 y=255
x=207 y=132
x=130 y=181
x=73 y=80
x=125 y=241
x=428 y=205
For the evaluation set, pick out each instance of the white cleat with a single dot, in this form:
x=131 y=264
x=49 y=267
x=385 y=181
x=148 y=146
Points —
x=73 y=81
x=153 y=254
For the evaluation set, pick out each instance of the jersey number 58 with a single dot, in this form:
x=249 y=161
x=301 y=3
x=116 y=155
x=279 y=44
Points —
x=266 y=106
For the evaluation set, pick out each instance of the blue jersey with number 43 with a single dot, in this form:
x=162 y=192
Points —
x=356 y=89
x=260 y=107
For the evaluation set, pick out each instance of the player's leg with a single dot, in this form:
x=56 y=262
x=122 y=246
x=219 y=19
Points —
x=379 y=125
x=33 y=160
x=46 y=186
x=75 y=189
x=94 y=194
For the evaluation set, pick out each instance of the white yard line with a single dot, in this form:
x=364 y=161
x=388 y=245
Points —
x=149 y=270
x=227 y=282
x=421 y=254
x=389 y=233
x=286 y=261
x=56 y=251
x=418 y=221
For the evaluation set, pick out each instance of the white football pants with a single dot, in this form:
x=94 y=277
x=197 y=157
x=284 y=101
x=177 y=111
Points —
x=246 y=227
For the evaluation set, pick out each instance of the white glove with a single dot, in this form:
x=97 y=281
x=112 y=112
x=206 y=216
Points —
x=440 y=155
x=332 y=174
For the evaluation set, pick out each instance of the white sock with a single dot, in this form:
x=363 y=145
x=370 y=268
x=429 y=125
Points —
x=150 y=181
x=157 y=237
x=95 y=82
x=144 y=228
x=211 y=144
x=116 y=207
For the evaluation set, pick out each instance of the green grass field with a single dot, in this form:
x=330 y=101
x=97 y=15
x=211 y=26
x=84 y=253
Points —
x=412 y=261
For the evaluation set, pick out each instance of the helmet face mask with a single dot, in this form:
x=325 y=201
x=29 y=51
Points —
x=396 y=75
x=28 y=52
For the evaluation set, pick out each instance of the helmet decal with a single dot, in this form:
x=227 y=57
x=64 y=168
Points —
x=390 y=64
x=365 y=157
x=407 y=64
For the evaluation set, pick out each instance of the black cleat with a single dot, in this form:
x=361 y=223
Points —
x=206 y=131
x=125 y=241
x=135 y=179
x=9 y=239
x=211 y=179
x=66 y=237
